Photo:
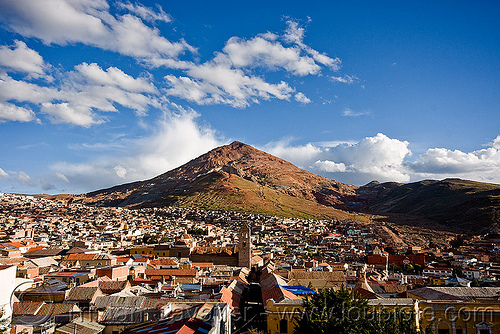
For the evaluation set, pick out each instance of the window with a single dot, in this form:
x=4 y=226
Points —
x=484 y=331
x=444 y=331
x=459 y=331
x=283 y=326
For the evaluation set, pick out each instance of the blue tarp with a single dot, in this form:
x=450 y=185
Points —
x=298 y=289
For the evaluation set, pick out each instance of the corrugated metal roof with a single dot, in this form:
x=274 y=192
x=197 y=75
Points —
x=127 y=315
x=190 y=321
x=103 y=302
x=82 y=294
x=455 y=293
x=26 y=308
x=58 y=308
x=82 y=327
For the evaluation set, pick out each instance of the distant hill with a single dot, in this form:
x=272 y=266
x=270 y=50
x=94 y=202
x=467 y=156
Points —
x=235 y=177
x=459 y=205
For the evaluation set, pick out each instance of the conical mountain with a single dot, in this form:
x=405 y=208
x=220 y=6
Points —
x=235 y=177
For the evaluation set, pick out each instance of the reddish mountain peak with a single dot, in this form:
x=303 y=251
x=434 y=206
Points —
x=235 y=161
x=233 y=158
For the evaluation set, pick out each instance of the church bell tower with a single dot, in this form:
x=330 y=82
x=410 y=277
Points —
x=244 y=246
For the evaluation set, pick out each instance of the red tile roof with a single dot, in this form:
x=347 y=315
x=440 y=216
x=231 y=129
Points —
x=164 y=262
x=80 y=257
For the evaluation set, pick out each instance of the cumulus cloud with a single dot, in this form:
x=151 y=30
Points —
x=330 y=166
x=231 y=76
x=11 y=112
x=387 y=159
x=20 y=58
x=302 y=156
x=300 y=97
x=259 y=51
x=480 y=165
x=177 y=138
x=76 y=96
x=65 y=113
x=217 y=84
x=113 y=76
x=372 y=158
x=90 y=22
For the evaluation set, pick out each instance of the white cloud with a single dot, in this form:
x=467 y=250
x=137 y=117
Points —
x=295 y=34
x=94 y=74
x=62 y=177
x=77 y=96
x=300 y=97
x=177 y=138
x=217 y=84
x=56 y=21
x=378 y=157
x=264 y=53
x=348 y=112
x=145 y=13
x=330 y=166
x=11 y=112
x=347 y=79
x=230 y=77
x=120 y=171
x=302 y=156
x=89 y=22
x=24 y=178
x=20 y=58
x=64 y=113
x=479 y=165
x=3 y=173
x=386 y=159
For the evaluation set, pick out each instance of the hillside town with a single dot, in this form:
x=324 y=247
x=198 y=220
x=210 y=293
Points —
x=71 y=268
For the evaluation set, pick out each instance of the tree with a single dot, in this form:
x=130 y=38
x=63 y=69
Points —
x=341 y=312
x=475 y=283
x=4 y=322
x=148 y=239
x=457 y=272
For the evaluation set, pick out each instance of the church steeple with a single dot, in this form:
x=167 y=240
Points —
x=244 y=246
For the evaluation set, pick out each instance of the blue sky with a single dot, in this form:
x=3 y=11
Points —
x=95 y=93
